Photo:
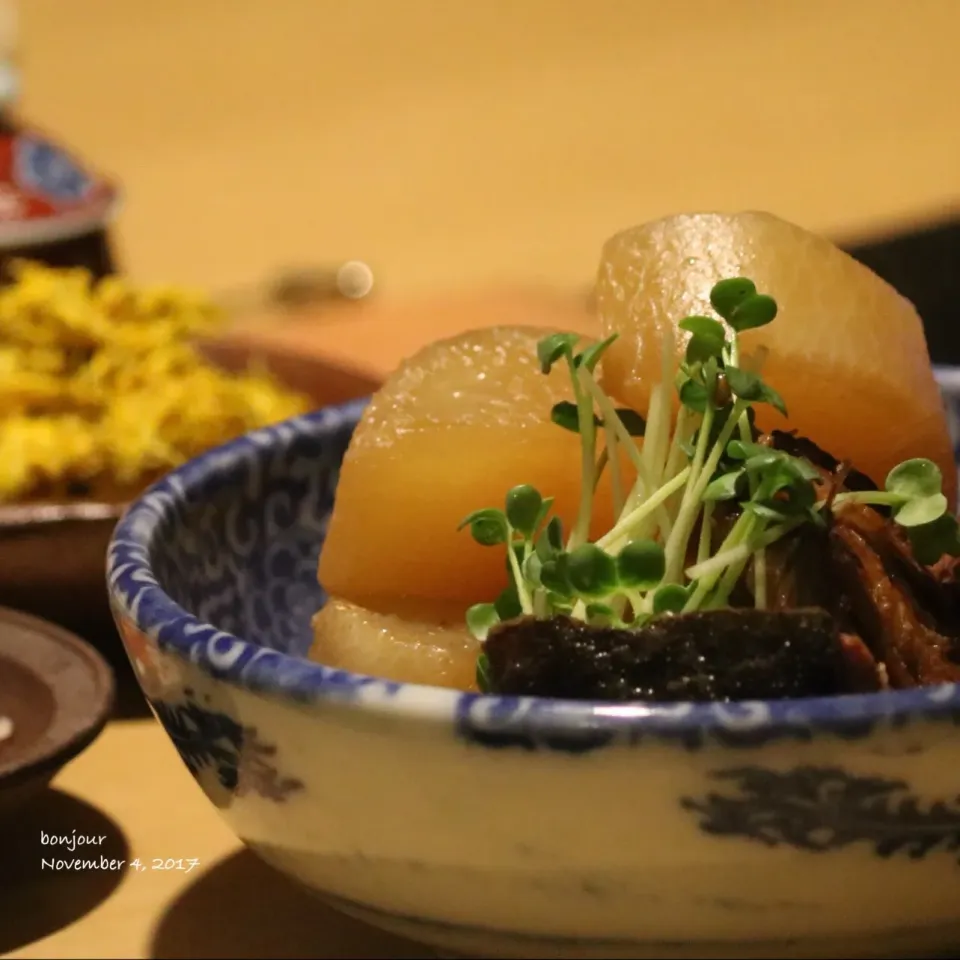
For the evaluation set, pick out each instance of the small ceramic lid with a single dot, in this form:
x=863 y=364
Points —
x=46 y=195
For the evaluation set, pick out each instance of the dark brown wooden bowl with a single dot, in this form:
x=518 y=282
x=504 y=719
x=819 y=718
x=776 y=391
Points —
x=57 y=691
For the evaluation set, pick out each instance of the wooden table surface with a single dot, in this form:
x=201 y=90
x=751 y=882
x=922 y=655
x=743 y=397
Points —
x=131 y=788
x=448 y=145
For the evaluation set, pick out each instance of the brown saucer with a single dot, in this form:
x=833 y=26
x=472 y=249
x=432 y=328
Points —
x=58 y=693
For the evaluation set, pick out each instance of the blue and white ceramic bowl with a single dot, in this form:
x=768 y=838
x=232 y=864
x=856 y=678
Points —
x=508 y=827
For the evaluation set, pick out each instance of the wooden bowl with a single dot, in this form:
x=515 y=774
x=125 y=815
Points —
x=57 y=692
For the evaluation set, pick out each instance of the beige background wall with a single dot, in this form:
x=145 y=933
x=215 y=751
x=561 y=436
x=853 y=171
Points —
x=460 y=140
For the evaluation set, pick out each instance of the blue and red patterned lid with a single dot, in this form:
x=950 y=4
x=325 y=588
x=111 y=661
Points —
x=46 y=194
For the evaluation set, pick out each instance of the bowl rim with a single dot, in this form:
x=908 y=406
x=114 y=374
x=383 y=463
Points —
x=137 y=597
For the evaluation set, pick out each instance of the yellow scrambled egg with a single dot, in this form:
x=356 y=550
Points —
x=101 y=388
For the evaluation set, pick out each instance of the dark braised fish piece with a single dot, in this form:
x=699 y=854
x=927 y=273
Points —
x=865 y=675
x=937 y=601
x=896 y=628
x=946 y=572
x=798 y=572
x=715 y=655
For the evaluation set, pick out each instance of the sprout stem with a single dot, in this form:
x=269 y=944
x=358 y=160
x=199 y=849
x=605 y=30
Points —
x=878 y=498
x=637 y=602
x=616 y=475
x=707 y=573
x=760 y=579
x=587 y=453
x=716 y=453
x=706 y=521
x=689 y=505
x=601 y=465
x=541 y=604
x=523 y=594
x=626 y=527
x=728 y=581
x=676 y=548
x=676 y=454
x=733 y=551
x=609 y=414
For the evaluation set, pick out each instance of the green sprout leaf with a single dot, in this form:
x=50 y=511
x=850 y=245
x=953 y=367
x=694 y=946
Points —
x=531 y=569
x=481 y=618
x=694 y=396
x=700 y=349
x=920 y=511
x=550 y=542
x=744 y=384
x=748 y=386
x=784 y=485
x=727 y=295
x=724 y=487
x=641 y=565
x=518 y=552
x=601 y=615
x=551 y=349
x=740 y=450
x=553 y=576
x=634 y=424
x=592 y=572
x=786 y=468
x=769 y=395
x=488 y=527
x=565 y=414
x=523 y=504
x=703 y=327
x=545 y=508
x=915 y=478
x=756 y=310
x=555 y=533
x=767 y=511
x=508 y=604
x=708 y=338
x=790 y=501
x=483 y=673
x=931 y=541
x=670 y=598
x=919 y=482
x=591 y=356
x=760 y=459
x=763 y=461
